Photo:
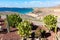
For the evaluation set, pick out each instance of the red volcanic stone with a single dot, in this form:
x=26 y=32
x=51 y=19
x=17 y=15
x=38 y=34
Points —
x=11 y=36
x=1 y=20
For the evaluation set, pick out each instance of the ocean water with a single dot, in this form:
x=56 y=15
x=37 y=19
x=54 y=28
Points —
x=19 y=10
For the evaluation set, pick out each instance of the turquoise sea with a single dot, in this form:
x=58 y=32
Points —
x=19 y=10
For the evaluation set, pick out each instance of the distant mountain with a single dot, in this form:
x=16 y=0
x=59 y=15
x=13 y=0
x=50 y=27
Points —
x=58 y=6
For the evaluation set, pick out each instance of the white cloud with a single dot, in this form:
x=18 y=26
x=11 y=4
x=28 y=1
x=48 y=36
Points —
x=40 y=3
x=34 y=2
x=30 y=3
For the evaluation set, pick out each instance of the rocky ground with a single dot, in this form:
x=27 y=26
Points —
x=14 y=36
x=9 y=36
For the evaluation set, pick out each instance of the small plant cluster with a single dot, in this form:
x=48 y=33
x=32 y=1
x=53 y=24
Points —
x=50 y=21
x=14 y=20
x=24 y=27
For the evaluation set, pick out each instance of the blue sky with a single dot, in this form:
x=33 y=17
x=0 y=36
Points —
x=29 y=3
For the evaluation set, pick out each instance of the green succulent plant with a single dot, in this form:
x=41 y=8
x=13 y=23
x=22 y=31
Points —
x=14 y=19
x=50 y=21
x=24 y=29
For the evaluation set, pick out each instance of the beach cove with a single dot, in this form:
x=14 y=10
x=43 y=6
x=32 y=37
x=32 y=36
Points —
x=18 y=10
